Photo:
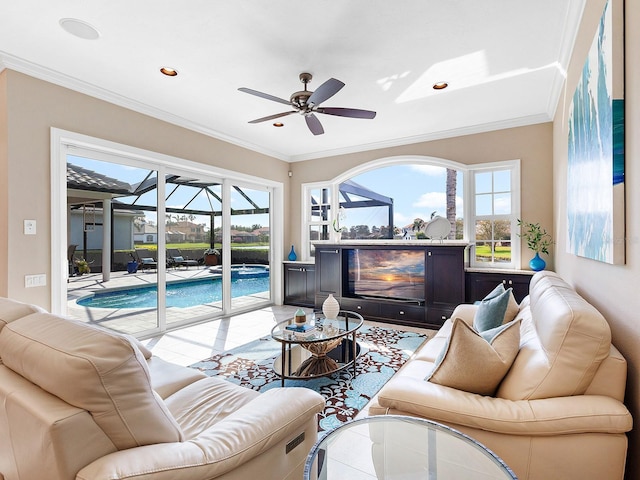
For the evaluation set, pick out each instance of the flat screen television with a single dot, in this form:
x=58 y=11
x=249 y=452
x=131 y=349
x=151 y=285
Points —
x=395 y=274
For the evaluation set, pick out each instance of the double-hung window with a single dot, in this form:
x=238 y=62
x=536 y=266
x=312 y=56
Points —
x=495 y=208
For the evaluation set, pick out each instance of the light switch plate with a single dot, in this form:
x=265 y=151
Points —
x=39 y=280
x=29 y=227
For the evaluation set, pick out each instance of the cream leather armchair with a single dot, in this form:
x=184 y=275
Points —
x=79 y=402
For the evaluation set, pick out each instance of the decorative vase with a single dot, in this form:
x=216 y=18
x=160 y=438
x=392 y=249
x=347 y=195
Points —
x=330 y=308
x=537 y=263
x=292 y=255
x=300 y=318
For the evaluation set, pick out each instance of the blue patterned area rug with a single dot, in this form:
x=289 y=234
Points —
x=383 y=352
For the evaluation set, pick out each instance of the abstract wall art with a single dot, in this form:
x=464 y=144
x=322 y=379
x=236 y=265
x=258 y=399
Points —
x=595 y=176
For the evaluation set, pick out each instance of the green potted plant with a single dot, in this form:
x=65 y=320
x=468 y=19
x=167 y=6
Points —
x=82 y=266
x=538 y=240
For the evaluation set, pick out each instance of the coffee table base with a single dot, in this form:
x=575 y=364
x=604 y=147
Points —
x=295 y=362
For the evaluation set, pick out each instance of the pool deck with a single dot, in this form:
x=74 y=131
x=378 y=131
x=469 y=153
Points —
x=136 y=320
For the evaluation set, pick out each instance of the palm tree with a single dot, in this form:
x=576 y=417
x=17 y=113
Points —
x=452 y=181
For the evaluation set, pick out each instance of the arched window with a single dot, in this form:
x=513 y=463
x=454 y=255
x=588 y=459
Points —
x=398 y=197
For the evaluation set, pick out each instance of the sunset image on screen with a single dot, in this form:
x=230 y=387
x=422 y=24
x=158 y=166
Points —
x=387 y=273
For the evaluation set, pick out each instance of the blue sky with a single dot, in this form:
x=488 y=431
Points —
x=417 y=191
x=182 y=195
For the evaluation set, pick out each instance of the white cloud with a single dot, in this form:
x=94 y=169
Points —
x=432 y=201
x=430 y=170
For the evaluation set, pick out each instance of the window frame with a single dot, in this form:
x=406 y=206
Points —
x=63 y=142
x=307 y=217
x=469 y=203
x=513 y=166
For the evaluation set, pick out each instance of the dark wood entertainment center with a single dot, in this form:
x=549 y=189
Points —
x=446 y=282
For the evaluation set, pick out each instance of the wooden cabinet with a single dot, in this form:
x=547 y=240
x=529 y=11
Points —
x=444 y=283
x=328 y=273
x=300 y=284
x=479 y=284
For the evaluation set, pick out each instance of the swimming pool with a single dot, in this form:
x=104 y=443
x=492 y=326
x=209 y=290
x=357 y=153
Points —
x=190 y=293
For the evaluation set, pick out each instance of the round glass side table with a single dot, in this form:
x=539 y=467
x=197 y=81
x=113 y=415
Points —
x=393 y=447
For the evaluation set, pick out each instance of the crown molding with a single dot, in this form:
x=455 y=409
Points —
x=428 y=137
x=572 y=22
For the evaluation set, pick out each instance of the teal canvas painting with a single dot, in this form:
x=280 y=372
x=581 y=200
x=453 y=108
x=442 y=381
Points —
x=595 y=175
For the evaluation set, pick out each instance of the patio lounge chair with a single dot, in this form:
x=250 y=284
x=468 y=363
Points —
x=145 y=259
x=71 y=250
x=175 y=258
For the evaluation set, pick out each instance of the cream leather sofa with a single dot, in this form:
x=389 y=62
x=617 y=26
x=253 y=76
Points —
x=558 y=412
x=79 y=402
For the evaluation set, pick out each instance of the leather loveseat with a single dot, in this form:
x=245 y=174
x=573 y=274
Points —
x=80 y=402
x=558 y=413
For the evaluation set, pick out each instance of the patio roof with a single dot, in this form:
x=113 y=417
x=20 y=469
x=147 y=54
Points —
x=89 y=186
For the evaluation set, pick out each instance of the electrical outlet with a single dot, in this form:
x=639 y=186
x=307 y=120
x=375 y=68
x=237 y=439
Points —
x=29 y=227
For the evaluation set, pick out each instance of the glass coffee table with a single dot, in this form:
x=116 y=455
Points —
x=330 y=347
x=394 y=447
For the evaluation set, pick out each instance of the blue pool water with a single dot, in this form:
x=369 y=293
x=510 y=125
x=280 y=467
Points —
x=244 y=281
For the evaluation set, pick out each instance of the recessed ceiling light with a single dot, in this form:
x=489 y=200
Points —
x=278 y=124
x=440 y=85
x=169 y=72
x=79 y=28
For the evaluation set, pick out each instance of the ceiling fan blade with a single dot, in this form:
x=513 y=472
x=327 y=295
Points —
x=271 y=117
x=264 y=95
x=314 y=124
x=347 y=112
x=325 y=91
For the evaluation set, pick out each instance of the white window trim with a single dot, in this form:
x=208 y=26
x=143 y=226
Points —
x=307 y=219
x=63 y=142
x=468 y=201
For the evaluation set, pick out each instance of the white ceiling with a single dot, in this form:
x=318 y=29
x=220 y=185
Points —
x=504 y=61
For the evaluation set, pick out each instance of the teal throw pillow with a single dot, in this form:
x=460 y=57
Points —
x=499 y=290
x=492 y=333
x=491 y=312
x=492 y=294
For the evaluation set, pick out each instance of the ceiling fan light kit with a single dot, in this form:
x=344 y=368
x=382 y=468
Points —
x=307 y=103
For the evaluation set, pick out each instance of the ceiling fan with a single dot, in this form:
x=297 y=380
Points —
x=307 y=103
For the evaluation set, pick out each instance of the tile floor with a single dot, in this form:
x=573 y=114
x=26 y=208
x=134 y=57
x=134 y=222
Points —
x=194 y=343
x=191 y=344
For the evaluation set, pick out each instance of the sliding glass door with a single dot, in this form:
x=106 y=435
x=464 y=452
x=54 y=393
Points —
x=112 y=238
x=153 y=247
x=193 y=213
x=250 y=247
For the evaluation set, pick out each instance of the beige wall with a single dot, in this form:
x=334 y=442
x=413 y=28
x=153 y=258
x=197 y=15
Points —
x=613 y=289
x=4 y=182
x=32 y=108
x=532 y=145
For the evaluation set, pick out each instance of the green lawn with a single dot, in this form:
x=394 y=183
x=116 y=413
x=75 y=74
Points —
x=501 y=253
